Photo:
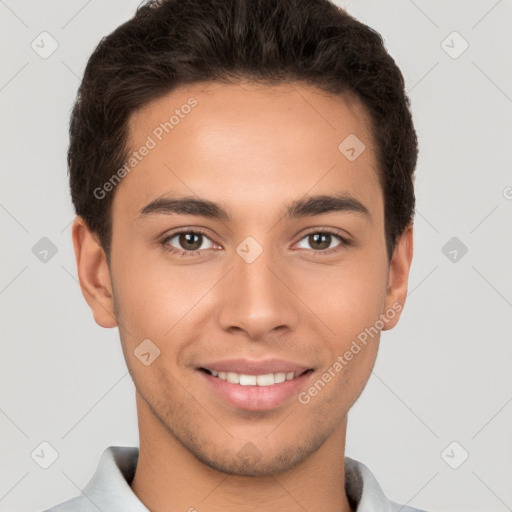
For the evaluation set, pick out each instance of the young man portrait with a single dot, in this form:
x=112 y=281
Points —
x=242 y=175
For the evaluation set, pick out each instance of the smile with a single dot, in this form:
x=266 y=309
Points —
x=263 y=392
x=268 y=379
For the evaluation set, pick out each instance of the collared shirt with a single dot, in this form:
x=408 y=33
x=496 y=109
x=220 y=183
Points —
x=109 y=488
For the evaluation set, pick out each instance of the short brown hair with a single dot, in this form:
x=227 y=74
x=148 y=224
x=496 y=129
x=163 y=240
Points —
x=170 y=43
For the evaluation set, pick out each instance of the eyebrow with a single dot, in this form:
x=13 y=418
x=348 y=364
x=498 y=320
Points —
x=304 y=207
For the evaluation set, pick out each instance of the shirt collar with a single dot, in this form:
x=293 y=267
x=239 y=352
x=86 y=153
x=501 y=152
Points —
x=109 y=488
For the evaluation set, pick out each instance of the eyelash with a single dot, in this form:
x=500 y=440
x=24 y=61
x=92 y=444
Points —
x=173 y=250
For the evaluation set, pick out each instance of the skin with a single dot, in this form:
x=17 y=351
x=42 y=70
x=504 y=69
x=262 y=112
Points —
x=252 y=149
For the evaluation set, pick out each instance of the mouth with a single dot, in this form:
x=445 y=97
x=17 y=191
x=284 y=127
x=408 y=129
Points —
x=256 y=393
x=267 y=379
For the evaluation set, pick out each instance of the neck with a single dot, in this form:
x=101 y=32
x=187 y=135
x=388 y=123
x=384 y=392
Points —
x=169 y=477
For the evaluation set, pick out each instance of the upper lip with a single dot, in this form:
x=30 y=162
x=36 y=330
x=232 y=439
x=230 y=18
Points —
x=256 y=367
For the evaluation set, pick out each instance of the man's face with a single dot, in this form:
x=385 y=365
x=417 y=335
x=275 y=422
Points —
x=257 y=283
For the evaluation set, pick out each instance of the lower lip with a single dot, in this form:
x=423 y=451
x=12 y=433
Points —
x=256 y=398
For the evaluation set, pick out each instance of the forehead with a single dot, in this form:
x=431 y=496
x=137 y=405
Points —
x=249 y=142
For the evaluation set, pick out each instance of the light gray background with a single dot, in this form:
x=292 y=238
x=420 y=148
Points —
x=443 y=375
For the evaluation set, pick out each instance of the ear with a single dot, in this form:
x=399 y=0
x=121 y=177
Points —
x=93 y=274
x=399 y=276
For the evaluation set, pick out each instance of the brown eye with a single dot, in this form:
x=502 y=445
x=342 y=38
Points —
x=320 y=241
x=187 y=241
x=190 y=241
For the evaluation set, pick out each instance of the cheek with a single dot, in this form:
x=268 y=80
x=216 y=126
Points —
x=153 y=296
x=348 y=298
x=142 y=292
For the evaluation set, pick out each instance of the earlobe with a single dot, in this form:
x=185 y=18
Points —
x=399 y=277
x=93 y=274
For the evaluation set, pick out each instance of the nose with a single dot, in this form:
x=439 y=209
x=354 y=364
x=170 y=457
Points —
x=257 y=298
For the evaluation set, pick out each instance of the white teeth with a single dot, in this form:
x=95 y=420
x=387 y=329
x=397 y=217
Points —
x=280 y=377
x=248 y=380
x=267 y=379
x=232 y=377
